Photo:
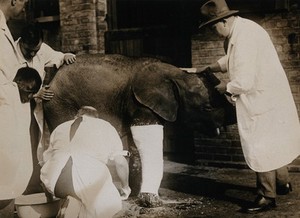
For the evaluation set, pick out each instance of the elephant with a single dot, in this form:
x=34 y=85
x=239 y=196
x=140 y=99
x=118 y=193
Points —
x=138 y=96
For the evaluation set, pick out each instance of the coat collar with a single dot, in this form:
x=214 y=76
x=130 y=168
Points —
x=4 y=27
x=233 y=33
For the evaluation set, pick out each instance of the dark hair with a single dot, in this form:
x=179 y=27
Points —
x=32 y=34
x=28 y=75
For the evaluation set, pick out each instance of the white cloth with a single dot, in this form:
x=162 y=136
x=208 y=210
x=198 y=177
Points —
x=267 y=117
x=9 y=63
x=65 y=210
x=149 y=142
x=15 y=147
x=45 y=57
x=95 y=142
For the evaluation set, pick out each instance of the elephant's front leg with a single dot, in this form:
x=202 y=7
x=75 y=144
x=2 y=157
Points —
x=149 y=142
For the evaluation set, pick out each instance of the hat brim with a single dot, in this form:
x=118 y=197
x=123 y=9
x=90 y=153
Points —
x=220 y=17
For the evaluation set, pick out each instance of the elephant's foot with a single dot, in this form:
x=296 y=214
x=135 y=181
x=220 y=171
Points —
x=149 y=200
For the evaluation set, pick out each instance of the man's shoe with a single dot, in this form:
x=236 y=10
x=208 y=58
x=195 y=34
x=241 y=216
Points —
x=261 y=204
x=284 y=189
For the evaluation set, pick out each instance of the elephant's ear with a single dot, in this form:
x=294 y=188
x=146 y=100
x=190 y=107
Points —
x=152 y=89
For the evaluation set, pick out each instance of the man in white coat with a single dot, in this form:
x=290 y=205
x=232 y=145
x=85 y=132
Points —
x=268 y=122
x=9 y=66
x=75 y=165
x=15 y=153
x=33 y=52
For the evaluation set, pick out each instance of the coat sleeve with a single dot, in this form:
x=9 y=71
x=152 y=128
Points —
x=115 y=143
x=9 y=63
x=223 y=63
x=58 y=140
x=48 y=153
x=243 y=63
x=52 y=57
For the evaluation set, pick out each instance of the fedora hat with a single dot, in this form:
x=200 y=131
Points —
x=215 y=10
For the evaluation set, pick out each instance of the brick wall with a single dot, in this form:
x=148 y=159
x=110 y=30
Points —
x=284 y=28
x=83 y=25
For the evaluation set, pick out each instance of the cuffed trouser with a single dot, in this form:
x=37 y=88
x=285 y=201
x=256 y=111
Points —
x=266 y=182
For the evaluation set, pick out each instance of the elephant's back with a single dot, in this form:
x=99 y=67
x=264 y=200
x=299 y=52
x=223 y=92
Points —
x=91 y=71
x=86 y=82
x=95 y=70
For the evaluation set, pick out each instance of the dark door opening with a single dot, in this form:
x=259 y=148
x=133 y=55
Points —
x=160 y=29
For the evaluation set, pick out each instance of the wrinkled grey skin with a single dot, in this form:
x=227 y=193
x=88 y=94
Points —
x=129 y=92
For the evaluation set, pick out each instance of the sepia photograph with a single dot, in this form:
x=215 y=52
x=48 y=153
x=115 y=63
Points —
x=149 y=108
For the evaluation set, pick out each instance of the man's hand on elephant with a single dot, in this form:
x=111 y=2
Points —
x=231 y=99
x=189 y=70
x=69 y=58
x=203 y=69
x=44 y=93
x=195 y=70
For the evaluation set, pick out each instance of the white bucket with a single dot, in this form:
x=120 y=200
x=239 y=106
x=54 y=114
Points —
x=36 y=206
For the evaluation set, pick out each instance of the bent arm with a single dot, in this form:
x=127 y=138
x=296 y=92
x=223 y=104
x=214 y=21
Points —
x=122 y=170
x=51 y=57
x=215 y=67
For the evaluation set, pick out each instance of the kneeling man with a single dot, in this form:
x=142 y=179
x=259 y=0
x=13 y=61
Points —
x=75 y=165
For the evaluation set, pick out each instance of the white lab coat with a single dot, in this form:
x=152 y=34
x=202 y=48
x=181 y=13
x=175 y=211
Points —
x=45 y=57
x=267 y=117
x=15 y=148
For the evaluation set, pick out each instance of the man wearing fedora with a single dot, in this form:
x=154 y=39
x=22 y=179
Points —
x=267 y=118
